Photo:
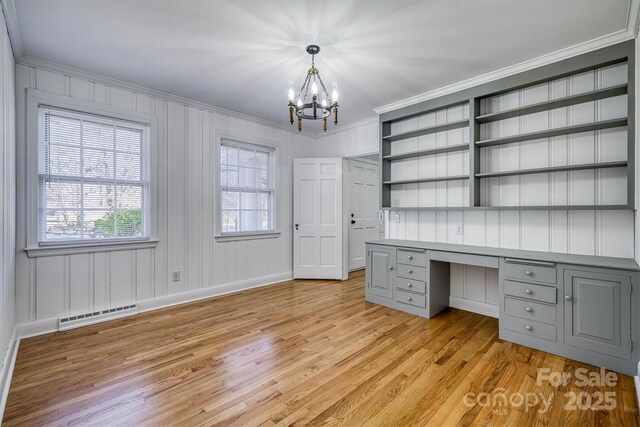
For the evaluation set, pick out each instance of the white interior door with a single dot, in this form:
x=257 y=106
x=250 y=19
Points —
x=317 y=219
x=363 y=210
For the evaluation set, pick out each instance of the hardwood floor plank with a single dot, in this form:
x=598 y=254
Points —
x=296 y=353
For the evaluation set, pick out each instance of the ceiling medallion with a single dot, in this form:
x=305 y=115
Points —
x=312 y=101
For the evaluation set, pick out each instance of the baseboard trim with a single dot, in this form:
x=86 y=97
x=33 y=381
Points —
x=39 y=327
x=474 y=306
x=7 y=370
x=45 y=326
x=214 y=291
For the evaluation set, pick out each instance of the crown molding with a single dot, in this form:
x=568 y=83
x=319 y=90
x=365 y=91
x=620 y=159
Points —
x=633 y=20
x=74 y=72
x=11 y=19
x=631 y=31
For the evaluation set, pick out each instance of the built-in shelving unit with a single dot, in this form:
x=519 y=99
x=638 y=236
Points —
x=432 y=179
x=549 y=169
x=477 y=99
x=428 y=152
x=567 y=101
x=550 y=133
x=425 y=131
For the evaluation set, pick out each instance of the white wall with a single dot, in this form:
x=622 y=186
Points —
x=7 y=197
x=354 y=140
x=49 y=287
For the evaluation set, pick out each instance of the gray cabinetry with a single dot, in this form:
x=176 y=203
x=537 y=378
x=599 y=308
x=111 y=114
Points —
x=581 y=307
x=597 y=312
x=406 y=279
x=381 y=264
x=586 y=315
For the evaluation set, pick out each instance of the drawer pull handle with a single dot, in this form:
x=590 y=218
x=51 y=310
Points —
x=410 y=271
x=529 y=309
x=567 y=297
x=409 y=285
x=528 y=327
x=409 y=299
x=391 y=267
x=410 y=256
x=528 y=291
x=529 y=273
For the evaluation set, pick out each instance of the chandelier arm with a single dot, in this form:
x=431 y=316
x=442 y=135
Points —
x=302 y=87
x=306 y=89
x=322 y=84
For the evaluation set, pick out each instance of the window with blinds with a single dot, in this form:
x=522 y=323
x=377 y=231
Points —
x=247 y=187
x=92 y=177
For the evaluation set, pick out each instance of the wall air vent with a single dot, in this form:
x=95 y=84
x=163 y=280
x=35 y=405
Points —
x=97 y=316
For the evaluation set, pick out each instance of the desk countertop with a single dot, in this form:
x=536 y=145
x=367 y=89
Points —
x=590 y=260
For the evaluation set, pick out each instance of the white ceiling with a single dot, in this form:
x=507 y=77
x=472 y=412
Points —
x=241 y=54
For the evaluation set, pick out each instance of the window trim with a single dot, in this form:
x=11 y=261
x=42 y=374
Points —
x=37 y=99
x=255 y=141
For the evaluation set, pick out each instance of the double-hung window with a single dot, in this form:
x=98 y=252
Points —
x=93 y=178
x=247 y=193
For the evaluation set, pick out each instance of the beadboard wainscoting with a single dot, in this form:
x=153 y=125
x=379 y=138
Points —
x=184 y=210
x=7 y=211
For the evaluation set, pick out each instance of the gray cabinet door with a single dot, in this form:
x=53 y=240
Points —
x=380 y=270
x=597 y=312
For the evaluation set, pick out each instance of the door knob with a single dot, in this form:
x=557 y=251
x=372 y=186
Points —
x=391 y=267
x=409 y=299
x=528 y=273
x=529 y=309
x=528 y=291
x=410 y=256
x=296 y=226
x=410 y=271
x=353 y=221
x=409 y=285
x=567 y=297
x=528 y=327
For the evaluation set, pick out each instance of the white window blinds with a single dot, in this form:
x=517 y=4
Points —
x=93 y=177
x=247 y=187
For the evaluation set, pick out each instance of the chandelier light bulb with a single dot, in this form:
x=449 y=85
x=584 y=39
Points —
x=334 y=94
x=324 y=100
x=291 y=95
x=299 y=103
x=314 y=88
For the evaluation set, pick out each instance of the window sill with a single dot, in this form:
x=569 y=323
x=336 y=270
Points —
x=87 y=248
x=247 y=236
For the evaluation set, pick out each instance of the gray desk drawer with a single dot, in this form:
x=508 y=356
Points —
x=530 y=291
x=411 y=272
x=528 y=272
x=411 y=298
x=405 y=256
x=530 y=327
x=530 y=310
x=411 y=285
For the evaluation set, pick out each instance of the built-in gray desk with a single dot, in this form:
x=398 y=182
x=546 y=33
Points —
x=578 y=306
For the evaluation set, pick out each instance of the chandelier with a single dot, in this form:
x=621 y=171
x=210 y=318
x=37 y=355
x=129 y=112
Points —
x=312 y=101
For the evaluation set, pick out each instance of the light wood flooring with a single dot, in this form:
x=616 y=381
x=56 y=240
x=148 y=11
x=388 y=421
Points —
x=296 y=353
